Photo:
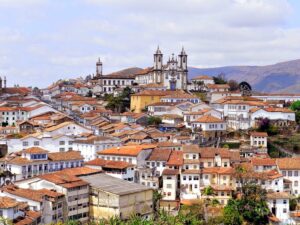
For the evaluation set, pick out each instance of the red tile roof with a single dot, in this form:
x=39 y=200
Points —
x=259 y=134
x=133 y=150
x=35 y=150
x=176 y=159
x=65 y=156
x=209 y=119
x=263 y=162
x=160 y=155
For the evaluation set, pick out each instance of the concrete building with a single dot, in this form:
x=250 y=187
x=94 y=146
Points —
x=110 y=197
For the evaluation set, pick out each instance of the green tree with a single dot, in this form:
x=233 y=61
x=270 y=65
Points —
x=295 y=106
x=233 y=85
x=157 y=196
x=297 y=115
x=253 y=205
x=293 y=204
x=220 y=79
x=119 y=103
x=4 y=221
x=89 y=94
x=231 y=214
x=153 y=120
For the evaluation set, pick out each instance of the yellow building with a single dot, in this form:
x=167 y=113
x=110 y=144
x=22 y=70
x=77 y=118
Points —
x=140 y=100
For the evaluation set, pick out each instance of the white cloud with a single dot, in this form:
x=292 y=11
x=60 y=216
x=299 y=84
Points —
x=64 y=39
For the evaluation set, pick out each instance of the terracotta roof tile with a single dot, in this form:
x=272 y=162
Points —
x=160 y=155
x=171 y=172
x=35 y=150
x=288 y=163
x=263 y=162
x=202 y=77
x=65 y=156
x=175 y=159
x=208 y=119
x=126 y=150
x=259 y=134
x=7 y=202
x=218 y=86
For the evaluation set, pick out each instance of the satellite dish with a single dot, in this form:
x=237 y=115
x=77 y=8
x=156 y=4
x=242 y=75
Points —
x=245 y=89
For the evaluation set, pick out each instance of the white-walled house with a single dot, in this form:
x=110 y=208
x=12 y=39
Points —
x=91 y=146
x=57 y=143
x=49 y=203
x=119 y=169
x=170 y=184
x=191 y=116
x=67 y=128
x=259 y=139
x=36 y=161
x=278 y=203
x=290 y=169
x=10 y=208
x=12 y=115
x=158 y=159
x=284 y=116
x=135 y=154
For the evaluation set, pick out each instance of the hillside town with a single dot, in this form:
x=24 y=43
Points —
x=148 y=143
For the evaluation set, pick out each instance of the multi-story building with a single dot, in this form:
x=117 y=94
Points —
x=55 y=143
x=119 y=169
x=278 y=203
x=90 y=146
x=14 y=210
x=209 y=127
x=204 y=167
x=290 y=169
x=170 y=184
x=259 y=139
x=172 y=76
x=66 y=182
x=113 y=197
x=135 y=154
x=36 y=161
x=108 y=83
x=51 y=204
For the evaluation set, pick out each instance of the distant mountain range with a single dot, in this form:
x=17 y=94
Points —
x=281 y=77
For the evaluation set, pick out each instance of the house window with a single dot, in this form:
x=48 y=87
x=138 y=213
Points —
x=290 y=173
x=25 y=143
x=296 y=173
x=169 y=185
x=284 y=173
x=36 y=143
x=284 y=210
x=62 y=143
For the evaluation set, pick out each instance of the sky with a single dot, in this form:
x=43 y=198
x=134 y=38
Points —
x=42 y=41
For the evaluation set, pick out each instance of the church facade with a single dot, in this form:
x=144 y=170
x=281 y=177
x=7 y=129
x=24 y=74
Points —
x=171 y=76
